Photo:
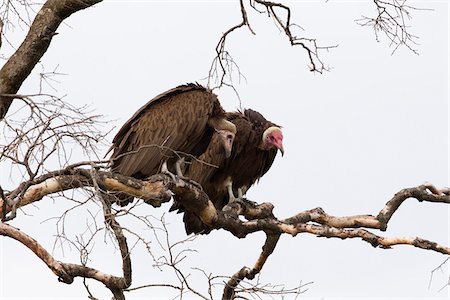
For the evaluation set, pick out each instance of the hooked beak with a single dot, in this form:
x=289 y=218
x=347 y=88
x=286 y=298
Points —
x=278 y=143
x=281 y=150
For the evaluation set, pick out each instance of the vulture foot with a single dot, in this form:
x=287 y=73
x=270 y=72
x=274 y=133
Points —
x=194 y=183
x=165 y=170
x=179 y=175
x=179 y=166
x=231 y=196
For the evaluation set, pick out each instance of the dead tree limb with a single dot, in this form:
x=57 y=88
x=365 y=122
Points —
x=159 y=188
x=66 y=272
x=154 y=191
x=267 y=249
x=223 y=63
x=36 y=43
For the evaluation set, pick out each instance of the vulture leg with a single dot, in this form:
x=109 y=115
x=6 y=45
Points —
x=231 y=196
x=179 y=166
x=165 y=170
x=240 y=193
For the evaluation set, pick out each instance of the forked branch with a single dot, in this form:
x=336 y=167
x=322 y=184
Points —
x=391 y=20
x=223 y=64
x=158 y=188
x=66 y=272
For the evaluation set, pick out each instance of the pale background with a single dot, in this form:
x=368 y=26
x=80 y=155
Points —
x=354 y=136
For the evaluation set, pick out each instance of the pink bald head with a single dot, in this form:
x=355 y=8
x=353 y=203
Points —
x=273 y=139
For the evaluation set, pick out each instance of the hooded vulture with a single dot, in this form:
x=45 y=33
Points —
x=254 y=149
x=179 y=123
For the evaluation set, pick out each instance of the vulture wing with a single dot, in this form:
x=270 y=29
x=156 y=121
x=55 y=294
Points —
x=174 y=124
x=173 y=121
x=202 y=170
x=248 y=162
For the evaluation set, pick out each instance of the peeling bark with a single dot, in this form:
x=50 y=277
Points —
x=159 y=188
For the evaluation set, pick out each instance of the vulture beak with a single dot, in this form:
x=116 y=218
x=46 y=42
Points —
x=273 y=139
x=281 y=150
x=279 y=145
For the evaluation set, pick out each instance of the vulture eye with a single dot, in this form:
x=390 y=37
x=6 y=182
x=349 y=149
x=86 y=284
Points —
x=229 y=136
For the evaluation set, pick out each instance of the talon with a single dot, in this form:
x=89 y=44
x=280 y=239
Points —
x=194 y=183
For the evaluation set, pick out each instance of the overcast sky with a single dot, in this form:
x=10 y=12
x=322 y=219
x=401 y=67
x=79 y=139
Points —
x=354 y=136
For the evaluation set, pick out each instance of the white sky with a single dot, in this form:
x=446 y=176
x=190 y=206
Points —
x=354 y=136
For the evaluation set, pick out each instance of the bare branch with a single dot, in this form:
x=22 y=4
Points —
x=223 y=58
x=267 y=249
x=158 y=189
x=36 y=43
x=221 y=69
x=435 y=270
x=1 y=31
x=308 y=44
x=111 y=222
x=154 y=191
x=391 y=20
x=66 y=272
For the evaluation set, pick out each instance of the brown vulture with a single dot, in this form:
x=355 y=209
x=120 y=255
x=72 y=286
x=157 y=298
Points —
x=179 y=123
x=254 y=149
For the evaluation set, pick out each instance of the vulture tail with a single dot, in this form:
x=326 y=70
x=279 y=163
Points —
x=193 y=224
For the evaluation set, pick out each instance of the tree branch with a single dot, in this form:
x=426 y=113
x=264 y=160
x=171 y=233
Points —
x=391 y=20
x=267 y=249
x=36 y=43
x=66 y=272
x=223 y=63
x=154 y=191
x=159 y=188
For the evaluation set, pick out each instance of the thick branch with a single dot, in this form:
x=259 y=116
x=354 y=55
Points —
x=111 y=222
x=426 y=192
x=66 y=272
x=154 y=191
x=36 y=43
x=267 y=249
x=158 y=189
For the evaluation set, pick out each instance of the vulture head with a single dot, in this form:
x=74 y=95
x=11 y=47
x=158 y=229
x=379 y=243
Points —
x=227 y=139
x=226 y=131
x=273 y=139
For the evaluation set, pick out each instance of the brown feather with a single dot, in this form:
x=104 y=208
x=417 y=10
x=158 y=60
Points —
x=246 y=165
x=248 y=162
x=177 y=120
x=202 y=170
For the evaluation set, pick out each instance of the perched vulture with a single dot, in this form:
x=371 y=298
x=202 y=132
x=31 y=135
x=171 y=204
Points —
x=254 y=149
x=179 y=123
x=202 y=171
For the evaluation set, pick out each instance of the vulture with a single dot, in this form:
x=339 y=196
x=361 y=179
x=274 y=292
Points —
x=175 y=125
x=254 y=149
